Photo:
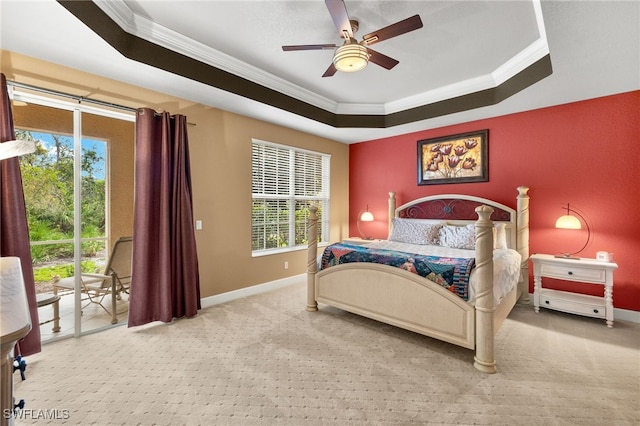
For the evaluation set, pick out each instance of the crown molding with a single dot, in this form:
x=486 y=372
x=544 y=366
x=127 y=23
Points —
x=148 y=30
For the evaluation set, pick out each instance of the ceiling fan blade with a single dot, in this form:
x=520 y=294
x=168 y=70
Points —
x=393 y=30
x=383 y=60
x=338 y=12
x=330 y=71
x=309 y=47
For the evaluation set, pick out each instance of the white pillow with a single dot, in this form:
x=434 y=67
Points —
x=500 y=237
x=414 y=231
x=462 y=237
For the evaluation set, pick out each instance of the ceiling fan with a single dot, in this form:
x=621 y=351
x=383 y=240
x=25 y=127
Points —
x=353 y=56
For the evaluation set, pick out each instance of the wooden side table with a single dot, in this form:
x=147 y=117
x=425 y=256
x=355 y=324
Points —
x=589 y=271
x=46 y=299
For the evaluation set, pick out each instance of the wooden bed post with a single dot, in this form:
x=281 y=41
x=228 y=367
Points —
x=484 y=359
x=522 y=241
x=392 y=210
x=312 y=262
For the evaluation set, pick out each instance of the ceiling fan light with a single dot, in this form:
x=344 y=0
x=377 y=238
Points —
x=351 y=57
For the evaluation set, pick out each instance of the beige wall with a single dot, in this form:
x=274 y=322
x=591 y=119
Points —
x=220 y=149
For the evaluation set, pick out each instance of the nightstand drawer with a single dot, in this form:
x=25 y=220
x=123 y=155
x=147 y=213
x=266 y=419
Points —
x=573 y=273
x=574 y=303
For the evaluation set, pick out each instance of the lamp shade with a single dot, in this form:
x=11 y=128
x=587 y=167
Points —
x=568 y=221
x=14 y=308
x=366 y=216
x=351 y=57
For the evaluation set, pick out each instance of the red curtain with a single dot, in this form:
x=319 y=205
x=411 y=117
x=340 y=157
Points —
x=165 y=281
x=14 y=232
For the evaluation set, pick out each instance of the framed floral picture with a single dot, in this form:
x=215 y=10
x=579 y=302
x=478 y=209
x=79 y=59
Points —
x=454 y=159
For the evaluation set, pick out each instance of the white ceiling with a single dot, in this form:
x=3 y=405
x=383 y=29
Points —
x=464 y=47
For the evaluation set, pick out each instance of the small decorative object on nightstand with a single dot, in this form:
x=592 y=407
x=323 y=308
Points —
x=589 y=271
x=604 y=256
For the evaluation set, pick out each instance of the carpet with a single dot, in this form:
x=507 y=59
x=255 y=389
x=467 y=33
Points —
x=264 y=360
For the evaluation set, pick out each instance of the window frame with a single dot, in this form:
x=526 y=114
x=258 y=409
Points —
x=292 y=199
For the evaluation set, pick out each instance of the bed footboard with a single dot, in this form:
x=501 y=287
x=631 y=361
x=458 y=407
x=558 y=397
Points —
x=400 y=298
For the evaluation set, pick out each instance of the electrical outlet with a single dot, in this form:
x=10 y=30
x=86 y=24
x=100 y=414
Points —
x=198 y=224
x=286 y=265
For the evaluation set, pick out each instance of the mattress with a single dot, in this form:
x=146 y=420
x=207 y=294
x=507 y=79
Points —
x=506 y=264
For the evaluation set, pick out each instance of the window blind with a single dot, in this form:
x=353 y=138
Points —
x=286 y=183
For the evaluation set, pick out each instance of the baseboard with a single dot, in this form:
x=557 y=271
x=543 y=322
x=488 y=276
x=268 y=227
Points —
x=618 y=314
x=250 y=291
x=626 y=315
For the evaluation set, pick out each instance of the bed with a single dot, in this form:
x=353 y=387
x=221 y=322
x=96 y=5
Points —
x=400 y=297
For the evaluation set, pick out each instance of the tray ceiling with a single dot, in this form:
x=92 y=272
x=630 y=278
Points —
x=470 y=59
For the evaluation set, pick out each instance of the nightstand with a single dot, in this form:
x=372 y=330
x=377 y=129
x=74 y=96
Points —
x=588 y=271
x=358 y=240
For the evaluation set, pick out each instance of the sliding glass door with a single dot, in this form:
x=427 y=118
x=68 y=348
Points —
x=68 y=193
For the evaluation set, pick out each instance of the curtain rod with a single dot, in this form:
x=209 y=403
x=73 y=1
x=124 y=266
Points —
x=70 y=96
x=75 y=97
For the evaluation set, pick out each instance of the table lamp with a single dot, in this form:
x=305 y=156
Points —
x=569 y=221
x=365 y=216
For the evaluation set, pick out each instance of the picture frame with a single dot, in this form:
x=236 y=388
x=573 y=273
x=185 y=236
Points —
x=460 y=158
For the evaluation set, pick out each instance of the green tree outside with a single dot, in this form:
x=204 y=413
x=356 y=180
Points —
x=47 y=178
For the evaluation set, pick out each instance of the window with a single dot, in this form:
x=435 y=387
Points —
x=286 y=182
x=78 y=191
x=48 y=179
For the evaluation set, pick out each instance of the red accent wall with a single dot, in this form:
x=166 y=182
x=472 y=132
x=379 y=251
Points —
x=584 y=153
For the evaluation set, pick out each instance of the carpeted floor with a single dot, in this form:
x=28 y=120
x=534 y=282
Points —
x=264 y=360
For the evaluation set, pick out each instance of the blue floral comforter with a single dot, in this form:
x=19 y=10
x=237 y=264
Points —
x=451 y=273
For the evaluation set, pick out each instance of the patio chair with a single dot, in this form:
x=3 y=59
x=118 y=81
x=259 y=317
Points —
x=115 y=280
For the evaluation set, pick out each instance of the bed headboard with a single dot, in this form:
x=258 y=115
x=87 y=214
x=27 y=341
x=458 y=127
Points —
x=455 y=209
